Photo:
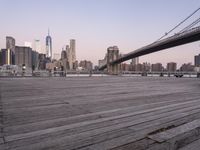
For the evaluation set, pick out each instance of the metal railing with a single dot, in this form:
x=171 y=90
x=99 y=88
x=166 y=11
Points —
x=40 y=73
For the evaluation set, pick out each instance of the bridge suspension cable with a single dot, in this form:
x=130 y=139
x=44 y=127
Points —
x=179 y=24
x=191 y=25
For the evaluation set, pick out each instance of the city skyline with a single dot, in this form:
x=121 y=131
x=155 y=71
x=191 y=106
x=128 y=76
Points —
x=98 y=24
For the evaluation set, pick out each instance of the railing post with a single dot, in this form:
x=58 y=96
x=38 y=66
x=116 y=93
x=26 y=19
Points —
x=198 y=74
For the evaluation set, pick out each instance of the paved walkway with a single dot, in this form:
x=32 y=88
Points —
x=99 y=113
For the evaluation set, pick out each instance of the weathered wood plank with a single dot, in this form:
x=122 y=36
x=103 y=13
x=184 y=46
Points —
x=1 y=140
x=144 y=130
x=138 y=145
x=176 y=137
x=192 y=146
x=61 y=103
x=174 y=132
x=89 y=136
x=80 y=118
x=166 y=110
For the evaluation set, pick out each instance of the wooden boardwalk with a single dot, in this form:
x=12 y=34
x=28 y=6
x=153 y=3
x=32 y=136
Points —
x=99 y=113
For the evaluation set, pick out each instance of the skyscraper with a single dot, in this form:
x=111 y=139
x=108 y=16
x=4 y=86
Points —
x=35 y=59
x=49 y=46
x=10 y=46
x=71 y=52
x=135 y=61
x=6 y=56
x=73 y=49
x=10 y=43
x=64 y=58
x=23 y=56
x=64 y=54
x=197 y=60
x=67 y=52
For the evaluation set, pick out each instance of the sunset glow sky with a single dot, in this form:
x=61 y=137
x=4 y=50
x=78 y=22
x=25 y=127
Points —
x=98 y=24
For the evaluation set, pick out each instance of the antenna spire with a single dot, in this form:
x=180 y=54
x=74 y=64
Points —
x=48 y=31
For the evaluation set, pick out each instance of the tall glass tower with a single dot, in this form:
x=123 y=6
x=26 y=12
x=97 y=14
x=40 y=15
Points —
x=10 y=46
x=49 y=46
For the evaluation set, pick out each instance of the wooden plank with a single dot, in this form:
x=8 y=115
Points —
x=192 y=146
x=67 y=142
x=2 y=147
x=1 y=140
x=176 y=137
x=120 y=143
x=108 y=121
x=33 y=115
x=176 y=123
x=83 y=138
x=172 y=133
x=101 y=94
x=17 y=129
x=61 y=98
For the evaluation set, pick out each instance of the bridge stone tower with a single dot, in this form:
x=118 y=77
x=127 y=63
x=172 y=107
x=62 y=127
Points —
x=112 y=54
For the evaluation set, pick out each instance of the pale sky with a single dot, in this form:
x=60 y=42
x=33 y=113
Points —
x=98 y=24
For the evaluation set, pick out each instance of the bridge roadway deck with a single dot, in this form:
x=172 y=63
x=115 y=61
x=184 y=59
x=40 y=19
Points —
x=93 y=113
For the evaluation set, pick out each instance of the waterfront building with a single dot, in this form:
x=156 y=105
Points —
x=23 y=56
x=171 y=67
x=146 y=67
x=187 y=67
x=139 y=67
x=86 y=65
x=125 y=67
x=55 y=65
x=197 y=60
x=156 y=67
